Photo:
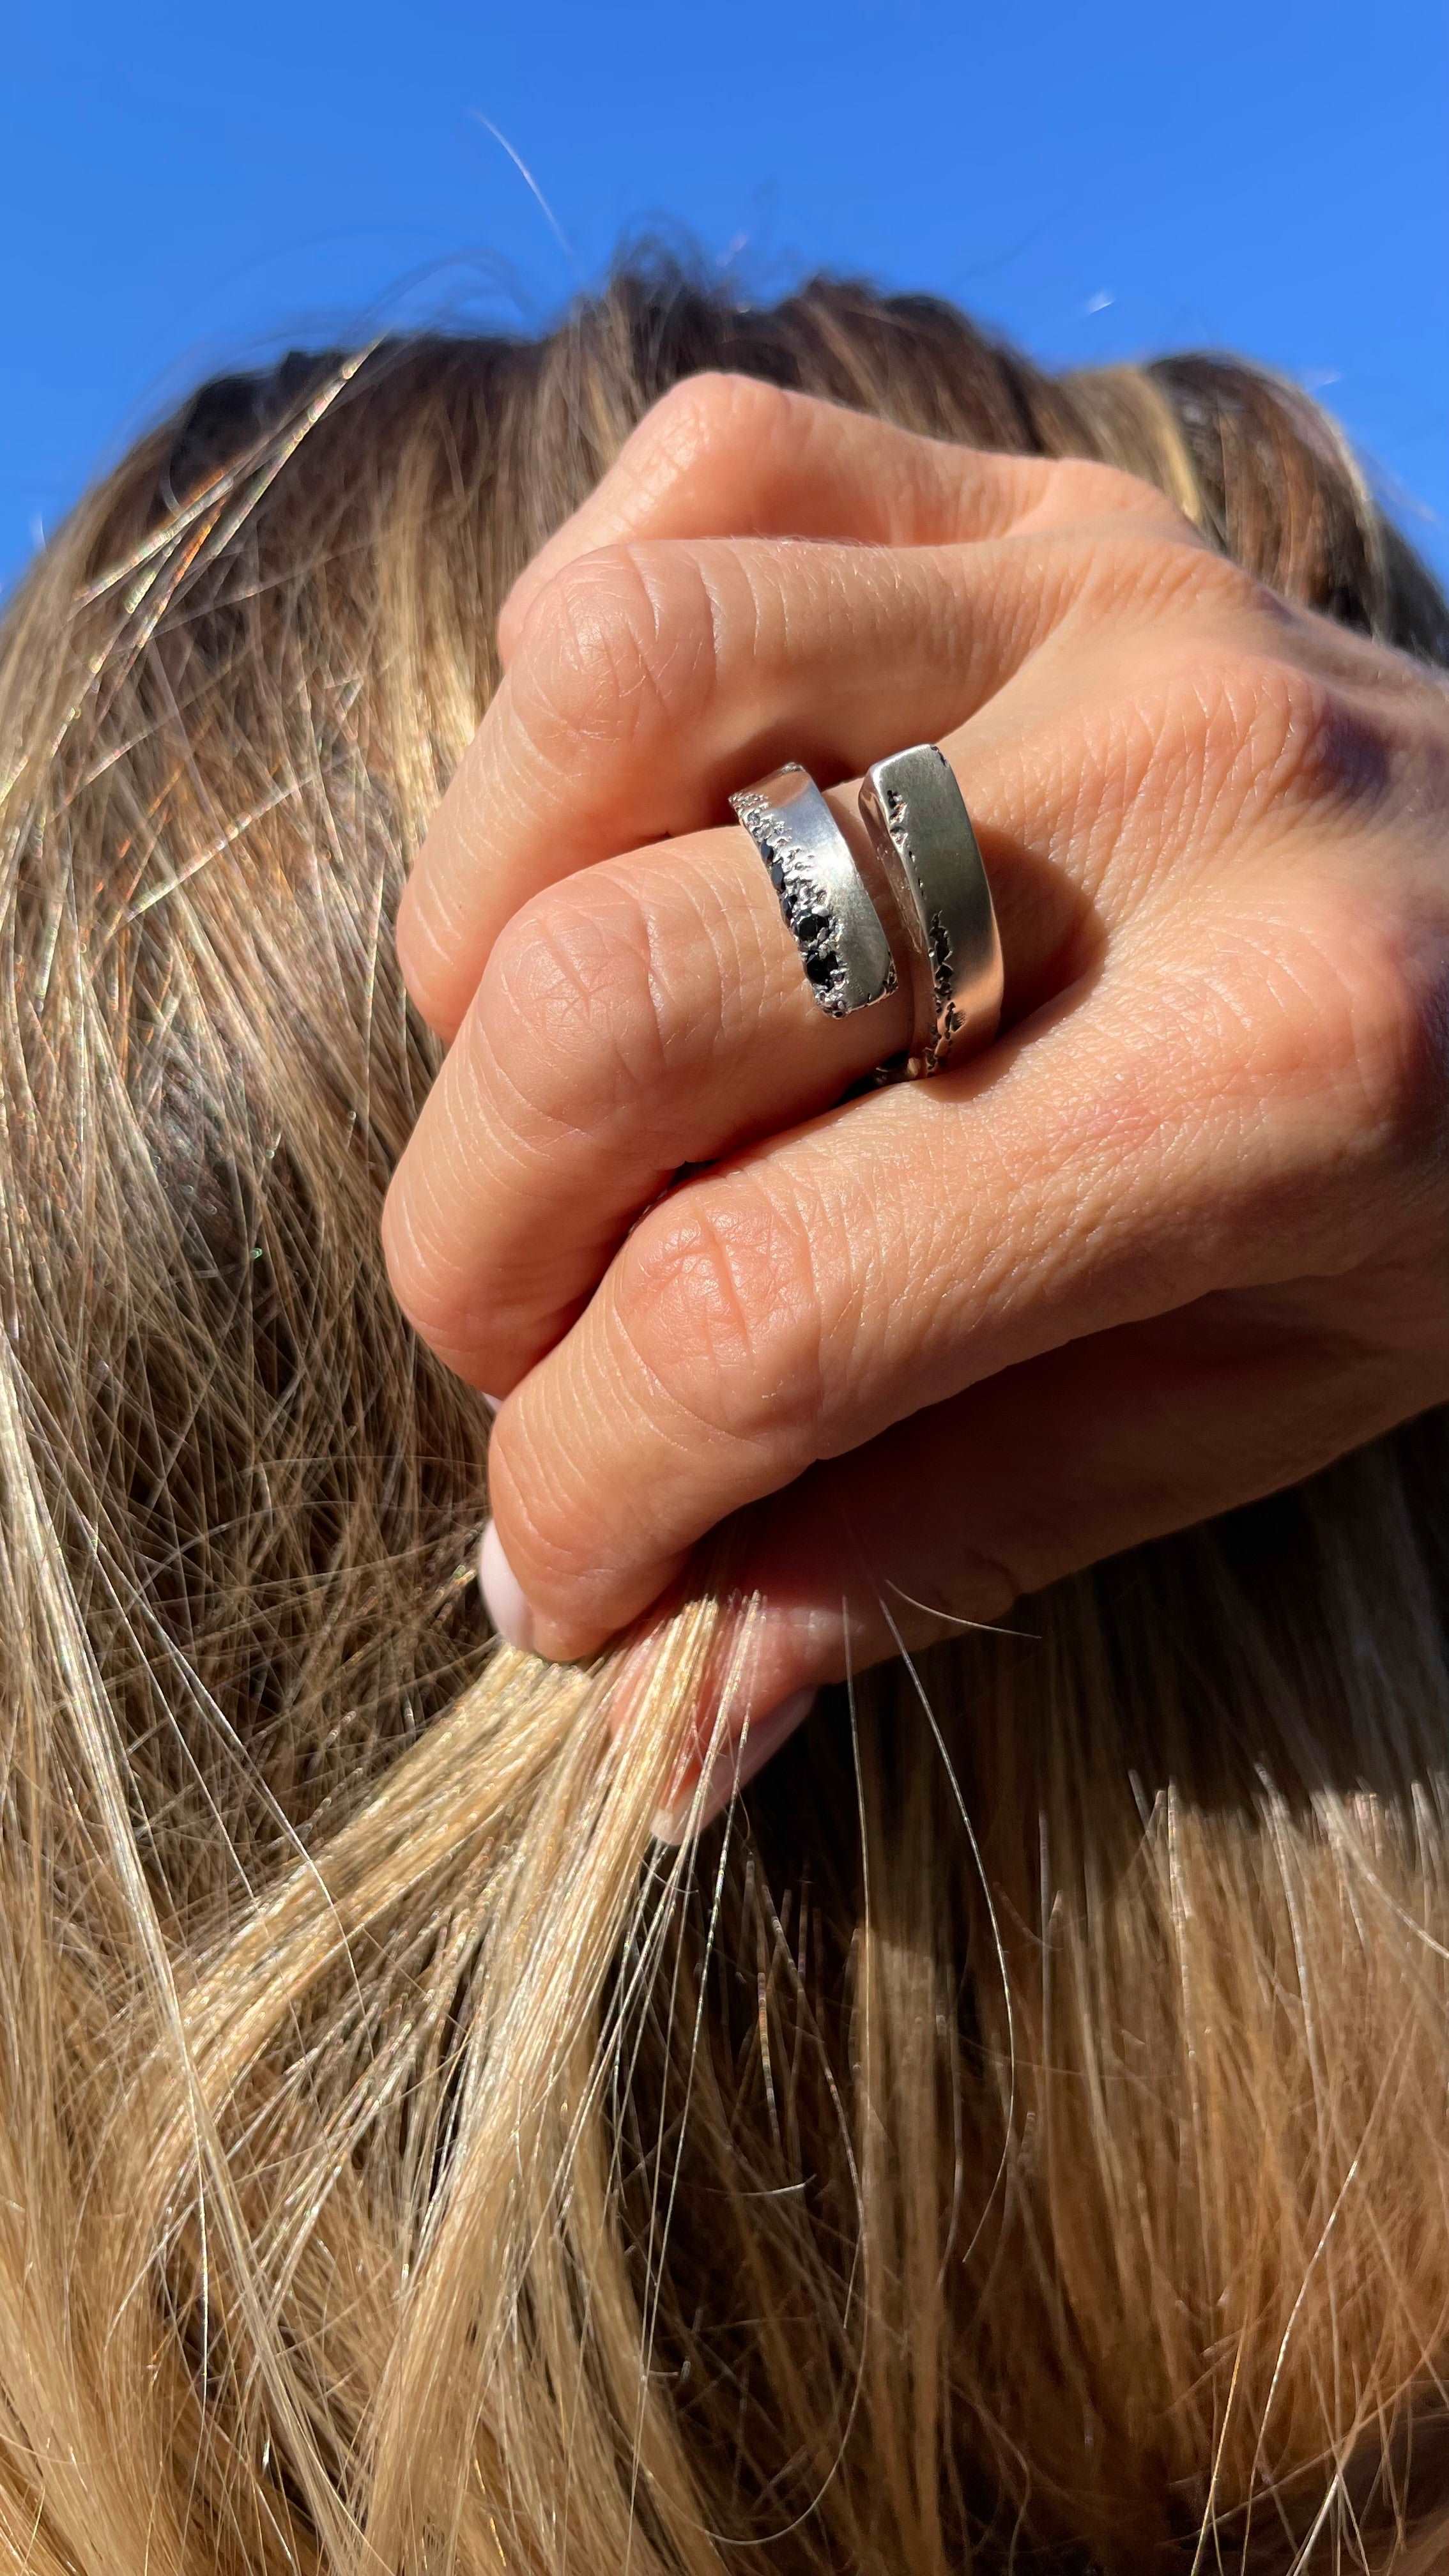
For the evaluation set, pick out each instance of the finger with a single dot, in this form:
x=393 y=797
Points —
x=656 y=678
x=729 y=456
x=650 y=1013
x=1171 y=1133
x=637 y=1017
x=946 y=1522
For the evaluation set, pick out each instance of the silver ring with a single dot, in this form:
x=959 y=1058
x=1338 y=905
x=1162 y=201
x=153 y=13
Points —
x=916 y=816
x=917 y=907
x=828 y=908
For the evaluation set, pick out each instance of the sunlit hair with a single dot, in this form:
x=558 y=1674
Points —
x=1021 y=2125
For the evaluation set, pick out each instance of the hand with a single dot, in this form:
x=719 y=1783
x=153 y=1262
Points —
x=1180 y=1237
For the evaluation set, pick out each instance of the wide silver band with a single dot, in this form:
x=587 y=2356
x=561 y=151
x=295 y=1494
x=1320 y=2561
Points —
x=915 y=907
x=917 y=818
x=825 y=900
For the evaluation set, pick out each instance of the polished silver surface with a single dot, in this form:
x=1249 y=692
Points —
x=950 y=945
x=824 y=897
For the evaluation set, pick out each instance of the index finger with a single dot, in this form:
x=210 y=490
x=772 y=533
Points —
x=729 y=456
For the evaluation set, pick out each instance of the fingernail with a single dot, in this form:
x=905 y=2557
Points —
x=503 y=1596
x=734 y=1764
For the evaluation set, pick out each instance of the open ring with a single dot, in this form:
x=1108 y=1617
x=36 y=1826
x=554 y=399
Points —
x=916 y=816
x=917 y=908
x=828 y=908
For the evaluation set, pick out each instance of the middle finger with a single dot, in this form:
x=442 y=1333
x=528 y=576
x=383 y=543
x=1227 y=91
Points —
x=655 y=677
x=1129 y=1153
x=651 y=1013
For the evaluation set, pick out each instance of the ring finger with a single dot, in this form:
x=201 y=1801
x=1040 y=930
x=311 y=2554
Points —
x=651 y=676
x=645 y=1014
x=651 y=1013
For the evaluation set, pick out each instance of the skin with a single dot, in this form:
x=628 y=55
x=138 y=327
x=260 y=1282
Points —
x=1181 y=1236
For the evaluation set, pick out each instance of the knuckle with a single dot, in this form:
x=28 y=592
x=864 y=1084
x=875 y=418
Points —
x=549 y=1534
x=570 y=1008
x=616 y=644
x=421 y=1279
x=1221 y=738
x=1208 y=740
x=1088 y=488
x=1286 y=734
x=1328 y=747
x=1199 y=580
x=1381 y=1029
x=1160 y=571
x=688 y=426
x=1337 y=1004
x=718 y=1294
x=427 y=959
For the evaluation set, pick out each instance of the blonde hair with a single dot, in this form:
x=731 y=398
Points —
x=1021 y=2125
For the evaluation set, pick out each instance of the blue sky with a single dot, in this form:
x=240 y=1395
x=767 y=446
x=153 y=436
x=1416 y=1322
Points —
x=182 y=189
